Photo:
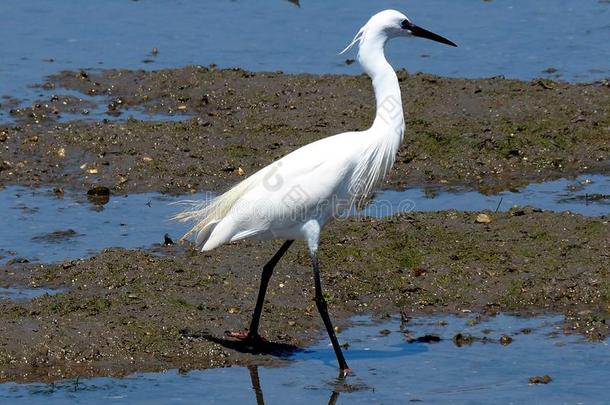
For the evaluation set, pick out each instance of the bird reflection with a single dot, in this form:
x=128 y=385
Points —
x=256 y=385
x=258 y=391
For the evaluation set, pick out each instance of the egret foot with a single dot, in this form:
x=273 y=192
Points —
x=346 y=371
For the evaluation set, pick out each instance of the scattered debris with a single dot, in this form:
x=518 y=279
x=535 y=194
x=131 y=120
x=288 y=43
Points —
x=505 y=340
x=429 y=338
x=540 y=379
x=98 y=195
x=483 y=219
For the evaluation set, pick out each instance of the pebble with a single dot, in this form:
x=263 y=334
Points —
x=505 y=340
x=99 y=191
x=540 y=379
x=483 y=219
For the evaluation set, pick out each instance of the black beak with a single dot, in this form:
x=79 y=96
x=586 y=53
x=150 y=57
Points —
x=420 y=32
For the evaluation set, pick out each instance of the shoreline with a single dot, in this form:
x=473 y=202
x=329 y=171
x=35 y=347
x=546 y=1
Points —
x=486 y=134
x=168 y=307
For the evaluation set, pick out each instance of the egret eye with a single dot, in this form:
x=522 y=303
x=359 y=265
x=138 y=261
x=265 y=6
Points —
x=406 y=25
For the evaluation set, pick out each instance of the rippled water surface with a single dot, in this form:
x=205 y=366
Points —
x=42 y=226
x=521 y=39
x=391 y=363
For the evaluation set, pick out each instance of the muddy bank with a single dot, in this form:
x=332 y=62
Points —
x=133 y=310
x=487 y=134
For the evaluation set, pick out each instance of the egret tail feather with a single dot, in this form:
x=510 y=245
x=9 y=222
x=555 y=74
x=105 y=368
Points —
x=207 y=214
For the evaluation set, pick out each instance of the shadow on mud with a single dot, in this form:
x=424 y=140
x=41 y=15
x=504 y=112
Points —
x=243 y=346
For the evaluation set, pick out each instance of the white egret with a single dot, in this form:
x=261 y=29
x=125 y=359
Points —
x=294 y=197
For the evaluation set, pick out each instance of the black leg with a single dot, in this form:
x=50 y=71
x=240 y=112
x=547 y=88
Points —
x=266 y=276
x=322 y=308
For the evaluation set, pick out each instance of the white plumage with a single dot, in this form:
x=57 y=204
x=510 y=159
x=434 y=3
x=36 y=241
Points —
x=306 y=185
x=318 y=180
x=294 y=197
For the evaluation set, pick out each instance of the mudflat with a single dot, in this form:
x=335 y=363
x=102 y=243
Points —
x=151 y=309
x=486 y=134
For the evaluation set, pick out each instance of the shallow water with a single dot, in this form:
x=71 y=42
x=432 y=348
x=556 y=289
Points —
x=516 y=38
x=388 y=369
x=587 y=195
x=97 y=109
x=22 y=293
x=42 y=226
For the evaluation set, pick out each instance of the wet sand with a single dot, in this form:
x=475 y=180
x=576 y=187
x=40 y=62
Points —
x=488 y=134
x=128 y=310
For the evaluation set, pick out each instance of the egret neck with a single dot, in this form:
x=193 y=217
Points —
x=385 y=135
x=389 y=118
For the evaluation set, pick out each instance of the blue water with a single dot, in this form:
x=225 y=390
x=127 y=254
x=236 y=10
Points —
x=388 y=370
x=515 y=38
x=142 y=220
x=23 y=293
x=587 y=195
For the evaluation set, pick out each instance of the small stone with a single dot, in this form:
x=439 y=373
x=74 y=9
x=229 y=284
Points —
x=99 y=195
x=291 y=323
x=540 y=379
x=99 y=191
x=460 y=339
x=418 y=271
x=61 y=152
x=505 y=340
x=233 y=310
x=240 y=171
x=147 y=159
x=337 y=329
x=428 y=339
x=483 y=219
x=17 y=261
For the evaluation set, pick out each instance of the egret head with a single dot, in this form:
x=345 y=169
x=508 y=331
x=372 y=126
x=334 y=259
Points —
x=389 y=24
